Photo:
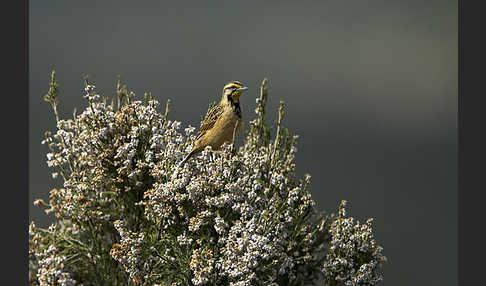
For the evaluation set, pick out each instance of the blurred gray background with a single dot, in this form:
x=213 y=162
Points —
x=370 y=87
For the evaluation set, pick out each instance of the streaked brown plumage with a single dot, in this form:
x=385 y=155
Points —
x=221 y=122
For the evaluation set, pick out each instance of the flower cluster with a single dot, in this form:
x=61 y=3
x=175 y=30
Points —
x=127 y=214
x=128 y=252
x=354 y=257
x=50 y=263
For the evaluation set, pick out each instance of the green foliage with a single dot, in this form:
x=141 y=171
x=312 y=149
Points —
x=51 y=95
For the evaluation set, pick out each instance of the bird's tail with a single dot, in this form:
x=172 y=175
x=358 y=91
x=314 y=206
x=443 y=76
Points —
x=181 y=164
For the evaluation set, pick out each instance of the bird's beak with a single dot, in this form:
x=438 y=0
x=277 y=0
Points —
x=243 y=88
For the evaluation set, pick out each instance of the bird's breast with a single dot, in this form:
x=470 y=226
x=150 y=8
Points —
x=223 y=129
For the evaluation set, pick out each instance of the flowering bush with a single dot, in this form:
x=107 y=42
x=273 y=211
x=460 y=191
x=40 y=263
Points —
x=126 y=215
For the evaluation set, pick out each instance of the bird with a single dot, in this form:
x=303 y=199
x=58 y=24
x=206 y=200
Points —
x=221 y=122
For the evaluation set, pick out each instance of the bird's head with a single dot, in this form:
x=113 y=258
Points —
x=233 y=90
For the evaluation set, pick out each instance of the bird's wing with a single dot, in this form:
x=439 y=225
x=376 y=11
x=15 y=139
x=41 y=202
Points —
x=208 y=122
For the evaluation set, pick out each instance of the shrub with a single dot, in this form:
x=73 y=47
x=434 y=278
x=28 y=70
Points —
x=125 y=215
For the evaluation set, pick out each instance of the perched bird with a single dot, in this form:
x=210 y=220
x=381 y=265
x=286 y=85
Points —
x=221 y=122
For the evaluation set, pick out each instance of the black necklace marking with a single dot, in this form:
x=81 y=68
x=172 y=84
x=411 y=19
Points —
x=235 y=105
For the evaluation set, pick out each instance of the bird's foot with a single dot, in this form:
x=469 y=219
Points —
x=233 y=150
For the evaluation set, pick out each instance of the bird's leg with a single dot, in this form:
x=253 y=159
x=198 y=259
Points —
x=233 y=147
